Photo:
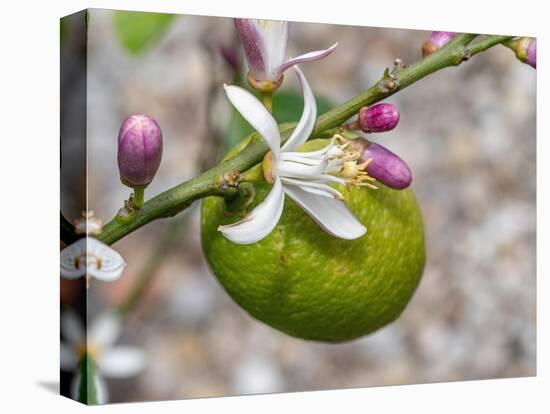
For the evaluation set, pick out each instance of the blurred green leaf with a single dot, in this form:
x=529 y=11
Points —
x=287 y=107
x=62 y=31
x=137 y=30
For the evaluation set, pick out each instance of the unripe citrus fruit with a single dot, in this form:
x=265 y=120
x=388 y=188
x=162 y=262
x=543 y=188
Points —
x=310 y=284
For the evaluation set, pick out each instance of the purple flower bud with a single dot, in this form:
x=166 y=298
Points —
x=385 y=166
x=436 y=41
x=525 y=49
x=139 y=150
x=265 y=45
x=532 y=53
x=441 y=38
x=378 y=118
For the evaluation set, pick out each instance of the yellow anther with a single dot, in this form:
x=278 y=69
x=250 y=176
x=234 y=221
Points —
x=365 y=164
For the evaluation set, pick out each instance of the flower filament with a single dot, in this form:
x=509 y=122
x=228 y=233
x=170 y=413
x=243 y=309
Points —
x=315 y=171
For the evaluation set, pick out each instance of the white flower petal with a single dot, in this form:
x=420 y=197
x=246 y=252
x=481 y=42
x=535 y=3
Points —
x=121 y=362
x=309 y=116
x=90 y=256
x=256 y=115
x=332 y=215
x=104 y=331
x=275 y=39
x=72 y=327
x=260 y=221
x=68 y=359
x=103 y=262
x=307 y=57
x=313 y=187
x=73 y=260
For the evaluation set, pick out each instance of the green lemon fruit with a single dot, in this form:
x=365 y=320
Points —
x=314 y=286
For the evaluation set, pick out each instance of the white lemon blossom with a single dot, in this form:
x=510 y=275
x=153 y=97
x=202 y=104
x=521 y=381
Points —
x=265 y=44
x=91 y=258
x=112 y=361
x=303 y=176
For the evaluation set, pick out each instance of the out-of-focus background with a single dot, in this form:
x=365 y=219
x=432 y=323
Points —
x=468 y=134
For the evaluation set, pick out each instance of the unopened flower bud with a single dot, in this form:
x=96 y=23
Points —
x=378 y=118
x=265 y=44
x=385 y=166
x=532 y=53
x=436 y=41
x=139 y=150
x=525 y=49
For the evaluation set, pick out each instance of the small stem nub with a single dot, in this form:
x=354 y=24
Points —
x=231 y=178
x=389 y=82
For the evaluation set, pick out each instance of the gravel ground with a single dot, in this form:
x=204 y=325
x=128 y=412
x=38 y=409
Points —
x=468 y=134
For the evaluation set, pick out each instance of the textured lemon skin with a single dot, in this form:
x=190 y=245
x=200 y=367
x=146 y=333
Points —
x=311 y=285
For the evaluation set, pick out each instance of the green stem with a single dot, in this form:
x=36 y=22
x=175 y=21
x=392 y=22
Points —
x=267 y=100
x=487 y=43
x=212 y=181
x=139 y=193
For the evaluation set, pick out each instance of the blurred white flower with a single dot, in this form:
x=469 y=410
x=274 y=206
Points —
x=111 y=361
x=91 y=258
x=88 y=224
x=257 y=374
